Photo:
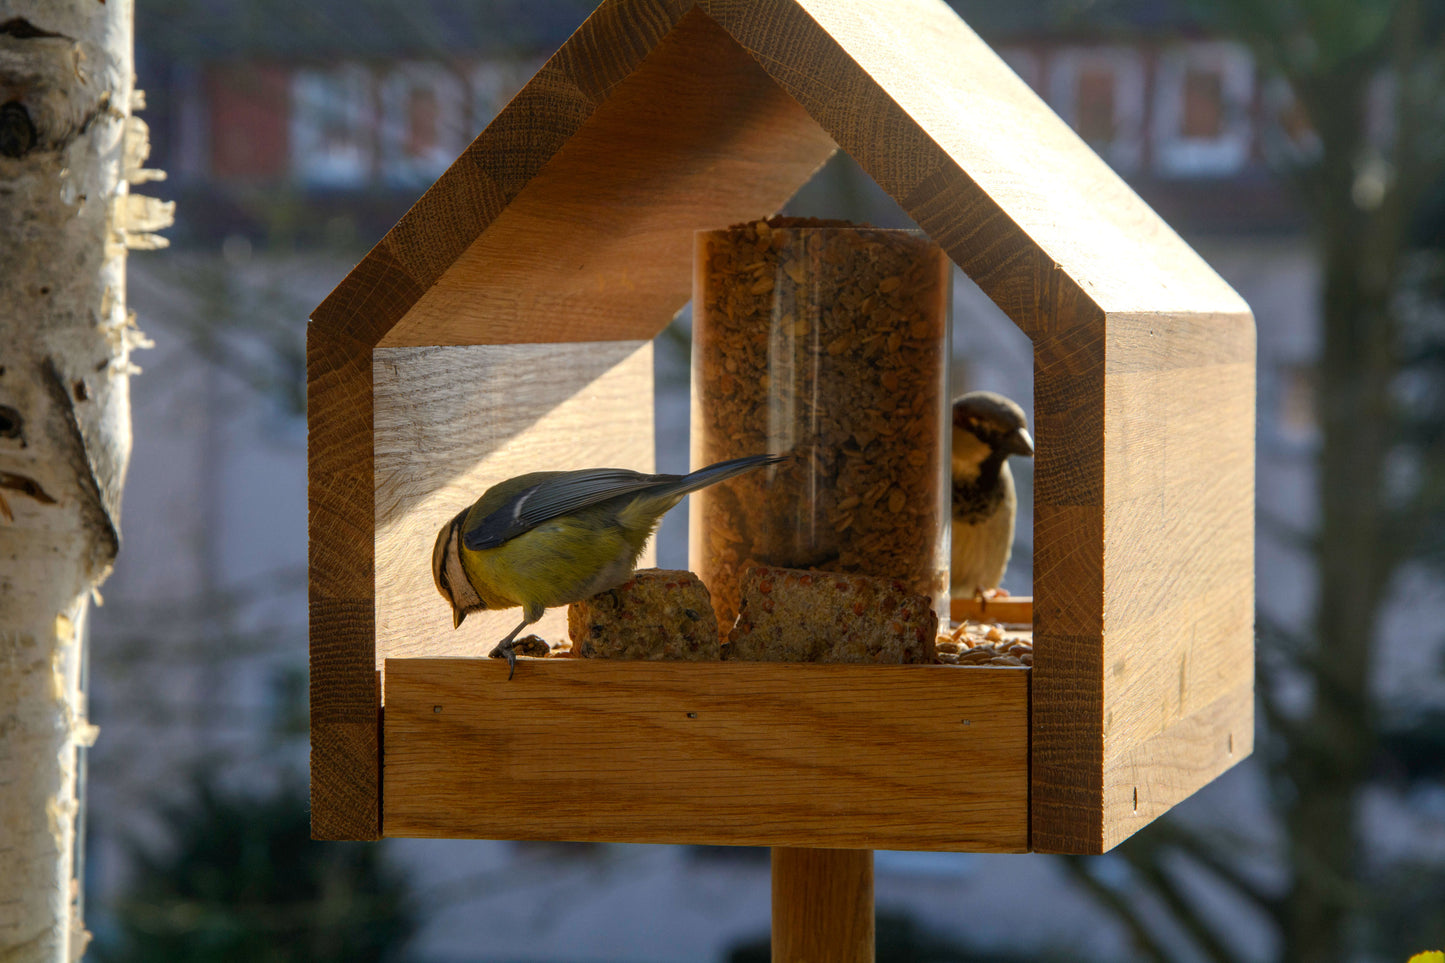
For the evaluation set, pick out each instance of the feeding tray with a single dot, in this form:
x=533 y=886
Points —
x=505 y=324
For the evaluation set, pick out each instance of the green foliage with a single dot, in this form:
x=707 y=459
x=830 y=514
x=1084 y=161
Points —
x=241 y=881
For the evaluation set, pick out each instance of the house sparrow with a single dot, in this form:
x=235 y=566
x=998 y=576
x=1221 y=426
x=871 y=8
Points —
x=987 y=428
x=554 y=537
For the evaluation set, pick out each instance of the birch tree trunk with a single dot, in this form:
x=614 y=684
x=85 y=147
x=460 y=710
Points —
x=69 y=149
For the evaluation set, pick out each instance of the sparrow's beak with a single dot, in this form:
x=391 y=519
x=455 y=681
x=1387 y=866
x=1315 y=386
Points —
x=1018 y=442
x=457 y=616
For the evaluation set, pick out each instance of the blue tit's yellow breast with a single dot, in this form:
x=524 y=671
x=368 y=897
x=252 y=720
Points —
x=558 y=562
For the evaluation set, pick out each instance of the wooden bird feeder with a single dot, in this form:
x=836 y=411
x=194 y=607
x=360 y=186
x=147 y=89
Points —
x=505 y=324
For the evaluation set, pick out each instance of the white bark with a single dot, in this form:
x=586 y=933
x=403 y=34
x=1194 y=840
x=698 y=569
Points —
x=68 y=150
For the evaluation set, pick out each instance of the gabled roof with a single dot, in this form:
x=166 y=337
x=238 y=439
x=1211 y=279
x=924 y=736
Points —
x=571 y=216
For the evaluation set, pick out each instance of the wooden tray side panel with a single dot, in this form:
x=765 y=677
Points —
x=452 y=421
x=1135 y=711
x=1008 y=609
x=1145 y=780
x=1179 y=531
x=862 y=757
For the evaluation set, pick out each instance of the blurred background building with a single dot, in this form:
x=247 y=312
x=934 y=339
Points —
x=295 y=134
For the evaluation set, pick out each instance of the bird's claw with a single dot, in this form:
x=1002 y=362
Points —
x=504 y=651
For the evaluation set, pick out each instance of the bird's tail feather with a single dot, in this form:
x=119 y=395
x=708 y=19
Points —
x=721 y=471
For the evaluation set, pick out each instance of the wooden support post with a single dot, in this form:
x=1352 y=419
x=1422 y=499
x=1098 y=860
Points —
x=822 y=905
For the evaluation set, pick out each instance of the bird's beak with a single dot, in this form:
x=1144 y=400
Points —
x=451 y=575
x=1018 y=442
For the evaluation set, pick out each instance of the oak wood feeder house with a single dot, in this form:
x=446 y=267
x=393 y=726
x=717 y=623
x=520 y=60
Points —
x=505 y=325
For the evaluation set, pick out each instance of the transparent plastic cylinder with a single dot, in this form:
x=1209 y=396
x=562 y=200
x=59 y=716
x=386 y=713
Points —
x=829 y=342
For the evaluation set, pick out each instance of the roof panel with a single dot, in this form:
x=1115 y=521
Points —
x=613 y=155
x=916 y=62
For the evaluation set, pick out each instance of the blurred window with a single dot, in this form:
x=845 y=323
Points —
x=331 y=139
x=422 y=123
x=1099 y=91
x=1202 y=100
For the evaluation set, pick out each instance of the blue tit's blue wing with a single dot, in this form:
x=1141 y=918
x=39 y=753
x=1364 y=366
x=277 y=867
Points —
x=563 y=494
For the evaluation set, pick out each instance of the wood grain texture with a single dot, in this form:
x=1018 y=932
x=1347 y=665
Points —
x=1103 y=287
x=598 y=244
x=1145 y=780
x=827 y=756
x=1167 y=542
x=1179 y=531
x=823 y=905
x=568 y=218
x=536 y=124
x=1009 y=609
x=458 y=209
x=1068 y=699
x=974 y=155
x=450 y=422
x=345 y=698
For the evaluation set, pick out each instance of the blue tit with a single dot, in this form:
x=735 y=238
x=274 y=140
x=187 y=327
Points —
x=987 y=428
x=555 y=537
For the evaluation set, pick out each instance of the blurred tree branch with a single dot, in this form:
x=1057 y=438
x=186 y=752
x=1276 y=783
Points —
x=1373 y=194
